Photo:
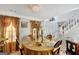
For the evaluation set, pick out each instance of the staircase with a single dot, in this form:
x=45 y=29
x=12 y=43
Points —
x=70 y=28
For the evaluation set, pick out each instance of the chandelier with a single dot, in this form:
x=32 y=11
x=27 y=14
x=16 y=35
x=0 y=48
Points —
x=35 y=7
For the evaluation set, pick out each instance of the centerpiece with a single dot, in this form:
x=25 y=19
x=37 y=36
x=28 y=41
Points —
x=38 y=44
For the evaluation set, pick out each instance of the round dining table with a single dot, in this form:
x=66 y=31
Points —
x=36 y=48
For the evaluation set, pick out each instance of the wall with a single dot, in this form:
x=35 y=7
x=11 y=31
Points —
x=50 y=28
x=25 y=31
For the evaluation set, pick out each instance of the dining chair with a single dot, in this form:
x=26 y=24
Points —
x=57 y=47
x=30 y=36
x=21 y=50
x=2 y=44
x=49 y=37
x=71 y=48
x=17 y=45
x=56 y=51
x=58 y=43
x=2 y=47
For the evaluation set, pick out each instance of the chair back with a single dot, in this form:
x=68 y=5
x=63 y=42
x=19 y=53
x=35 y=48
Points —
x=30 y=36
x=56 y=51
x=58 y=43
x=71 y=48
x=2 y=45
x=49 y=37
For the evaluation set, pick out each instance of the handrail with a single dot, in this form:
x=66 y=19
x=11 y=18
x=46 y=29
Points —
x=69 y=25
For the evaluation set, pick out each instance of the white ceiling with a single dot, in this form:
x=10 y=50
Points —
x=47 y=11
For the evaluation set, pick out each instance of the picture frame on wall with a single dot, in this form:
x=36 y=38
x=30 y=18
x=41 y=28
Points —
x=24 y=24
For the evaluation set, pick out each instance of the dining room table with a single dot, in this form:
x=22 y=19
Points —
x=36 y=48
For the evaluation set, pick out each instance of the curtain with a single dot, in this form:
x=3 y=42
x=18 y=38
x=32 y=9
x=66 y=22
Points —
x=10 y=27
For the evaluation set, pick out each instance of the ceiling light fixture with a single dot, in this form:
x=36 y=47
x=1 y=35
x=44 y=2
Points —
x=35 y=7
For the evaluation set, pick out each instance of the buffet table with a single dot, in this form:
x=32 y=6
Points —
x=36 y=48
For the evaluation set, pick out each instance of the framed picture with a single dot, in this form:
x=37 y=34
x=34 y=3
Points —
x=24 y=24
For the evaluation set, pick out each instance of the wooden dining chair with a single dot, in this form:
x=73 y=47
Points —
x=71 y=48
x=56 y=51
x=58 y=43
x=2 y=45
x=49 y=37
x=22 y=52
x=57 y=47
x=30 y=36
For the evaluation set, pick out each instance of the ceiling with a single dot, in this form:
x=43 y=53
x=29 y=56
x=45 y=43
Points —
x=47 y=11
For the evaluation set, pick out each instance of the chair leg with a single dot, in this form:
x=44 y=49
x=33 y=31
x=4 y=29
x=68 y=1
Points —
x=58 y=51
x=21 y=51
